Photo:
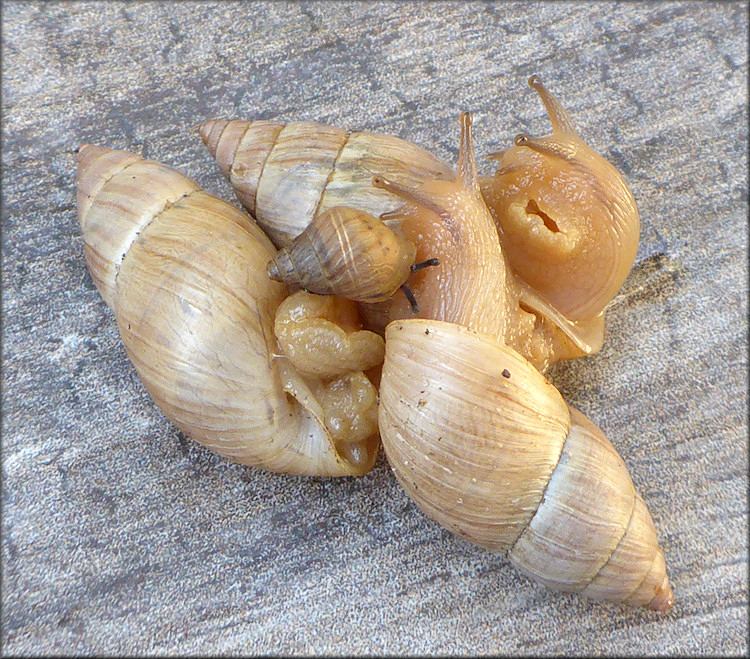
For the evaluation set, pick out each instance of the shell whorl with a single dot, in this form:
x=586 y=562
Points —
x=119 y=195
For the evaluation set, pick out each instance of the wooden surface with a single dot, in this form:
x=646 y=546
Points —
x=119 y=535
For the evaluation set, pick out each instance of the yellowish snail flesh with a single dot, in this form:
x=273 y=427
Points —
x=473 y=286
x=567 y=221
x=185 y=275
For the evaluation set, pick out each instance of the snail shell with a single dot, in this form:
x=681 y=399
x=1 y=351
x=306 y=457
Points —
x=346 y=252
x=286 y=174
x=567 y=220
x=487 y=447
x=185 y=275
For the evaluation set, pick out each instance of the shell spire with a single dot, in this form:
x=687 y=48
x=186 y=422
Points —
x=241 y=149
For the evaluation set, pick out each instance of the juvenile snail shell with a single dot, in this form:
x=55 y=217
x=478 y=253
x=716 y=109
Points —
x=567 y=221
x=346 y=252
x=286 y=174
x=185 y=275
x=487 y=447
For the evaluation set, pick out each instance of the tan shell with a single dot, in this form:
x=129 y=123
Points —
x=488 y=448
x=567 y=220
x=346 y=252
x=286 y=174
x=185 y=274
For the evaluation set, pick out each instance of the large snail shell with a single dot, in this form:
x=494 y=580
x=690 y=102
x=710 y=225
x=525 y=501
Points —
x=566 y=218
x=346 y=252
x=487 y=447
x=185 y=274
x=286 y=174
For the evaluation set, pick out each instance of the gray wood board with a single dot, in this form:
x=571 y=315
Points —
x=119 y=535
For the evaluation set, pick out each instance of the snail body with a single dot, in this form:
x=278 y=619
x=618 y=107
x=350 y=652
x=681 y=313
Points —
x=473 y=286
x=448 y=220
x=185 y=275
x=487 y=447
x=346 y=252
x=286 y=174
x=567 y=220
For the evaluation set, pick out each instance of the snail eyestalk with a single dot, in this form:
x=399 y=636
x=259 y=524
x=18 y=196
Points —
x=559 y=117
x=411 y=196
x=467 y=164
x=546 y=146
x=410 y=296
x=425 y=264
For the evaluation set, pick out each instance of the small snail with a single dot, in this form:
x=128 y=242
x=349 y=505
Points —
x=346 y=252
x=185 y=275
x=567 y=221
x=286 y=174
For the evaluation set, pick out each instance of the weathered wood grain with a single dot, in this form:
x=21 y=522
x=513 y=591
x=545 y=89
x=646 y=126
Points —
x=121 y=536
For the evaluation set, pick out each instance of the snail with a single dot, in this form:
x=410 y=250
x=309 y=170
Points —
x=185 y=275
x=567 y=220
x=347 y=252
x=485 y=446
x=474 y=287
x=286 y=174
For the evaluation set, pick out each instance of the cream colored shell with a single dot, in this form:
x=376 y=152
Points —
x=286 y=174
x=488 y=448
x=185 y=274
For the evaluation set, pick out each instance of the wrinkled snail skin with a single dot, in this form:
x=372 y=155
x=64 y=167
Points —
x=286 y=174
x=487 y=447
x=346 y=252
x=185 y=275
x=566 y=218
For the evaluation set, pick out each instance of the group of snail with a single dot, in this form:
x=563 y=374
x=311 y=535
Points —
x=372 y=294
